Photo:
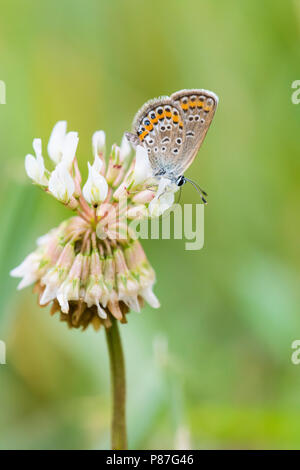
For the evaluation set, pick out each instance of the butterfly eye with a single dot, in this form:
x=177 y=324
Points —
x=169 y=127
x=163 y=149
x=191 y=118
x=180 y=180
x=159 y=110
x=155 y=149
x=148 y=150
x=175 y=151
x=184 y=100
x=197 y=117
x=179 y=141
x=146 y=122
x=152 y=115
x=202 y=121
x=163 y=128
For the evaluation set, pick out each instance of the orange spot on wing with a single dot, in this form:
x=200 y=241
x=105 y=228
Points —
x=175 y=118
x=143 y=135
x=162 y=115
x=184 y=105
x=192 y=104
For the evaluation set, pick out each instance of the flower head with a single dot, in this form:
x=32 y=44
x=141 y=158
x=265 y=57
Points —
x=92 y=268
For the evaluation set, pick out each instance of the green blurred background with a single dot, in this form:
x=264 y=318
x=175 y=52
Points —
x=212 y=367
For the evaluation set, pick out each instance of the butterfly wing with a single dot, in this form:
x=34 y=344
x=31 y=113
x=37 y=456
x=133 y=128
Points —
x=198 y=108
x=159 y=128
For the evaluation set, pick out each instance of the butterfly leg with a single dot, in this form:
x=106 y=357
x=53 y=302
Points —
x=180 y=192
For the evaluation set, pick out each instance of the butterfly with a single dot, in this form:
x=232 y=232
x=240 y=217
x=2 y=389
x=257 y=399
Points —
x=172 y=129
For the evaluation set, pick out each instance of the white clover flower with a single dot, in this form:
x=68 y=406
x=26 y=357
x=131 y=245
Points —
x=98 y=164
x=55 y=276
x=70 y=288
x=56 y=141
x=61 y=183
x=159 y=205
x=142 y=169
x=37 y=263
x=140 y=269
x=29 y=270
x=34 y=166
x=148 y=295
x=98 y=141
x=62 y=145
x=163 y=199
x=96 y=291
x=127 y=285
x=44 y=239
x=125 y=149
x=115 y=166
x=137 y=212
x=69 y=148
x=96 y=188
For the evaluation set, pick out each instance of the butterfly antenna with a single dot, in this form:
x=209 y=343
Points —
x=200 y=191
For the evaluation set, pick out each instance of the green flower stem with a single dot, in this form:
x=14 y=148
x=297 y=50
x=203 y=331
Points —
x=117 y=369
